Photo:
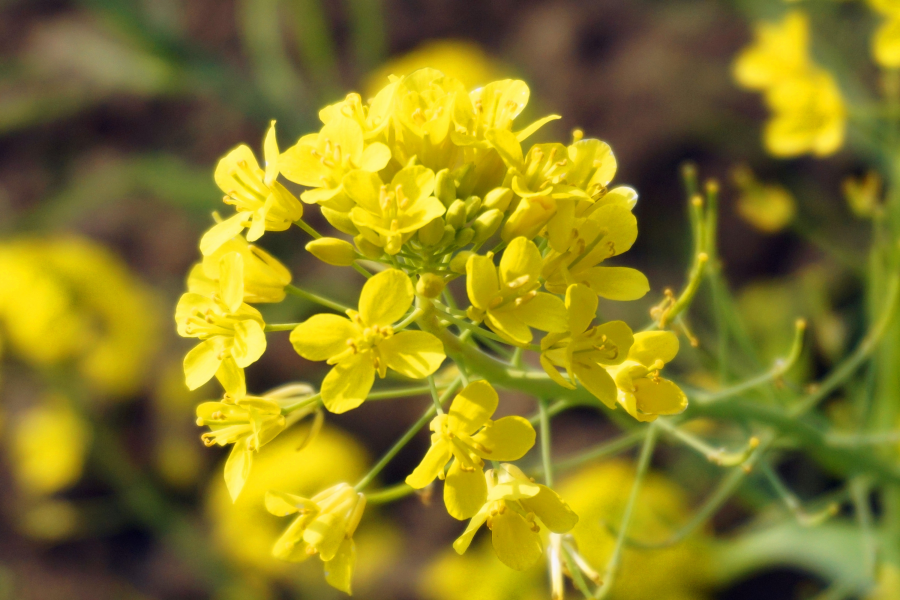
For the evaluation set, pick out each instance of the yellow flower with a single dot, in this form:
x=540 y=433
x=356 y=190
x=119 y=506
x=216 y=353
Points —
x=261 y=202
x=394 y=212
x=779 y=53
x=249 y=422
x=230 y=341
x=467 y=435
x=886 y=41
x=506 y=297
x=642 y=392
x=365 y=343
x=239 y=272
x=609 y=230
x=493 y=108
x=320 y=161
x=49 y=442
x=808 y=116
x=514 y=506
x=325 y=526
x=373 y=117
x=584 y=352
x=767 y=207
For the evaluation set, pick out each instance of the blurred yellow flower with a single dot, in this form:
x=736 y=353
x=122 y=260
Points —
x=460 y=59
x=467 y=435
x=767 y=207
x=516 y=508
x=886 y=41
x=780 y=52
x=48 y=445
x=365 y=343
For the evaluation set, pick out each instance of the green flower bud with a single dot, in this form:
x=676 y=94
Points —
x=432 y=233
x=465 y=236
x=498 y=198
x=367 y=248
x=449 y=235
x=339 y=220
x=430 y=285
x=487 y=224
x=473 y=205
x=456 y=214
x=445 y=187
x=458 y=262
x=333 y=251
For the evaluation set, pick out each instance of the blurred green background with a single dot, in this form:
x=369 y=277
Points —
x=112 y=117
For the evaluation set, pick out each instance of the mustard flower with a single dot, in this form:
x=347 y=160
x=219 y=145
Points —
x=506 y=297
x=780 y=52
x=239 y=272
x=608 y=231
x=320 y=161
x=230 y=341
x=886 y=41
x=325 y=525
x=365 y=343
x=262 y=203
x=809 y=116
x=493 y=107
x=583 y=351
x=394 y=212
x=516 y=508
x=467 y=435
x=641 y=391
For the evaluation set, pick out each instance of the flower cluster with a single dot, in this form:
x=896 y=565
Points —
x=429 y=184
x=808 y=112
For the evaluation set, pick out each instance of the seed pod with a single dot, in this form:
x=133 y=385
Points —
x=486 y=225
x=367 y=248
x=333 y=251
x=473 y=205
x=464 y=236
x=445 y=187
x=456 y=214
x=430 y=285
x=498 y=198
x=458 y=262
x=432 y=233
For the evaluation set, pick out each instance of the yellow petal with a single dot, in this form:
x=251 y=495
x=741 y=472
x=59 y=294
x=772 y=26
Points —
x=302 y=164
x=581 y=306
x=509 y=326
x=417 y=182
x=432 y=464
x=364 y=188
x=270 y=152
x=554 y=374
x=282 y=504
x=465 y=492
x=659 y=396
x=325 y=533
x=220 y=233
x=231 y=280
x=201 y=363
x=616 y=283
x=534 y=127
x=507 y=145
x=593 y=164
x=520 y=259
x=375 y=157
x=230 y=163
x=515 y=543
x=615 y=340
x=552 y=510
x=322 y=336
x=339 y=570
x=348 y=383
x=385 y=298
x=290 y=546
x=237 y=469
x=509 y=438
x=650 y=346
x=481 y=280
x=416 y=354
x=232 y=378
x=249 y=342
x=462 y=542
x=545 y=312
x=472 y=407
x=597 y=381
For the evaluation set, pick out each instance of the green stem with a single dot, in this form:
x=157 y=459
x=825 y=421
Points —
x=321 y=300
x=601 y=451
x=408 y=319
x=390 y=494
x=434 y=395
x=398 y=393
x=308 y=229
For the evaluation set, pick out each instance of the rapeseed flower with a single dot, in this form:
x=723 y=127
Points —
x=641 y=391
x=886 y=41
x=364 y=342
x=516 y=508
x=506 y=297
x=467 y=436
x=262 y=203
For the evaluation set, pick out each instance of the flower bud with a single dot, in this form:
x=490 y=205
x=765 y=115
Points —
x=449 y=235
x=498 y=198
x=456 y=214
x=430 y=285
x=339 y=220
x=473 y=205
x=432 y=233
x=464 y=236
x=486 y=225
x=445 y=187
x=465 y=178
x=333 y=251
x=458 y=262
x=367 y=248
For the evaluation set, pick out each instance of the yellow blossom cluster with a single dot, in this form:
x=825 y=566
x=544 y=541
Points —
x=427 y=184
x=808 y=111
